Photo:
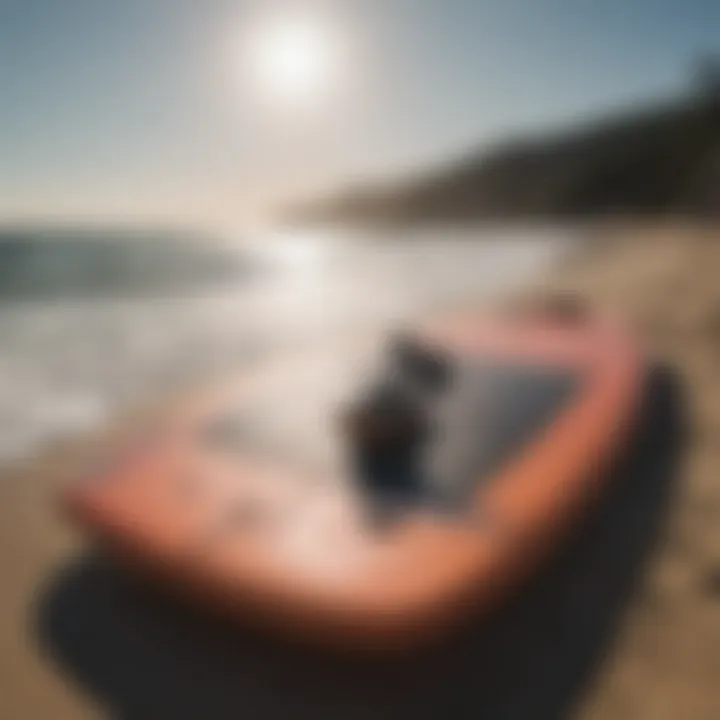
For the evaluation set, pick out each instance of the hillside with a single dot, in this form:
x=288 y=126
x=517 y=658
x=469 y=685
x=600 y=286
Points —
x=663 y=158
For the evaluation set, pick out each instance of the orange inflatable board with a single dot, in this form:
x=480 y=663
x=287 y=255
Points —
x=380 y=526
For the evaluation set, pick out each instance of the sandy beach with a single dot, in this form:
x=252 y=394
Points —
x=667 y=656
x=662 y=662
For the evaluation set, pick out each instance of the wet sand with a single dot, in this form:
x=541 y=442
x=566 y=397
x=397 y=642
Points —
x=76 y=641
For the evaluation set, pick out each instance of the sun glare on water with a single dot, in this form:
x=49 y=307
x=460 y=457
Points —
x=291 y=61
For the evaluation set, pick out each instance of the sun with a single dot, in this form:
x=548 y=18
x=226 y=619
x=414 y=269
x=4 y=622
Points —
x=291 y=61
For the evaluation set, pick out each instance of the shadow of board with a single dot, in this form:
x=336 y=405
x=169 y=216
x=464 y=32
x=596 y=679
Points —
x=143 y=657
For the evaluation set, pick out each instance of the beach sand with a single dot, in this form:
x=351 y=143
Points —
x=664 y=661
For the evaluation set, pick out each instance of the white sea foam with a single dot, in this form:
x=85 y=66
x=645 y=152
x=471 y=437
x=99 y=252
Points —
x=67 y=364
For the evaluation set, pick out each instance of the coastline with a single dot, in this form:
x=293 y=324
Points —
x=664 y=663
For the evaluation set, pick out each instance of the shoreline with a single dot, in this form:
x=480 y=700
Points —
x=665 y=660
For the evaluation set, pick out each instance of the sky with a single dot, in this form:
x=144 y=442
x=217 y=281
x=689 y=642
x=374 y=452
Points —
x=150 y=108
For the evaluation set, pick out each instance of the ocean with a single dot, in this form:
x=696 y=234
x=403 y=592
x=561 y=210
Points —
x=91 y=321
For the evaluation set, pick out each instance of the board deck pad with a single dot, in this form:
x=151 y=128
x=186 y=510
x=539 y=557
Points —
x=488 y=413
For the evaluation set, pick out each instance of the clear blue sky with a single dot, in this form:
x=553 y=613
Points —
x=134 y=107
